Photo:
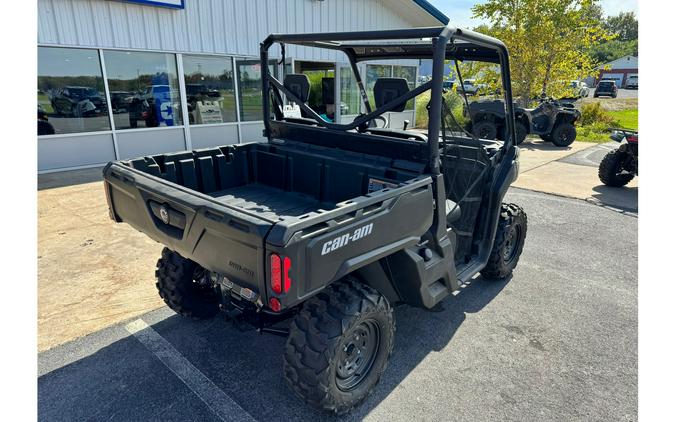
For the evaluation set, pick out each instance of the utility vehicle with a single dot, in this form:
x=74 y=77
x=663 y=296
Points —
x=552 y=120
x=327 y=226
x=620 y=166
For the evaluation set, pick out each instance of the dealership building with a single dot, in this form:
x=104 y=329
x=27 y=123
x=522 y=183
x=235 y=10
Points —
x=121 y=79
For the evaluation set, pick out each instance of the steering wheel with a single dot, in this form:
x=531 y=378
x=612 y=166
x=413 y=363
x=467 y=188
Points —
x=372 y=123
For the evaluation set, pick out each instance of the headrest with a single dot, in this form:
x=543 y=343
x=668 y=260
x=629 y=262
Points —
x=298 y=84
x=388 y=89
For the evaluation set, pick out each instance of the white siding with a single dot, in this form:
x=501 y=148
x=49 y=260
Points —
x=214 y=26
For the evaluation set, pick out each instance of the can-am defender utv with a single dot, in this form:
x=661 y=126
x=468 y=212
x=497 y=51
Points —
x=332 y=224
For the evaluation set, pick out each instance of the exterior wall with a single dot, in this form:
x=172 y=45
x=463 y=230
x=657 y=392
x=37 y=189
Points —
x=207 y=26
x=220 y=27
x=620 y=75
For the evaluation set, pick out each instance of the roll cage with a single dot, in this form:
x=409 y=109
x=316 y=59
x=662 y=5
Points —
x=435 y=43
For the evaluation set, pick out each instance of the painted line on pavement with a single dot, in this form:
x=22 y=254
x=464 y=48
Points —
x=222 y=405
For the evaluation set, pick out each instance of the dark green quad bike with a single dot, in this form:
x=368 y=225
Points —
x=552 y=120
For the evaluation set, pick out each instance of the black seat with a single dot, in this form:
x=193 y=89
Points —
x=388 y=89
x=298 y=84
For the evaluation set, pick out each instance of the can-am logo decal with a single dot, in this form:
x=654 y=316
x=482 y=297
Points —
x=343 y=240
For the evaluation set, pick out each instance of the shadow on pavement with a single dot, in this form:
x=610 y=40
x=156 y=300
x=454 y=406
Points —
x=124 y=381
x=624 y=198
x=539 y=145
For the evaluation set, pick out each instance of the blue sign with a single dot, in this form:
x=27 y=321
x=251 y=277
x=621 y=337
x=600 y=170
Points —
x=174 y=4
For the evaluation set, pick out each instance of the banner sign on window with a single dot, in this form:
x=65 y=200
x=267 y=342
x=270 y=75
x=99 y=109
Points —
x=175 y=4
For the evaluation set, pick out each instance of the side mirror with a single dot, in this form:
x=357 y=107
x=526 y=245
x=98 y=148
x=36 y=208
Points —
x=406 y=123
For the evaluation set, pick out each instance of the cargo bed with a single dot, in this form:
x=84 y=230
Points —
x=228 y=208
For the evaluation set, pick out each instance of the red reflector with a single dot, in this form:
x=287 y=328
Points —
x=275 y=266
x=287 y=278
x=275 y=305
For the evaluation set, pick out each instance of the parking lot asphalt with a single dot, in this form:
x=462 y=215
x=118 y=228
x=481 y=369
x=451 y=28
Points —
x=558 y=341
x=621 y=93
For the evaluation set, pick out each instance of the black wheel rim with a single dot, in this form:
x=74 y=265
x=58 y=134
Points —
x=565 y=135
x=357 y=354
x=511 y=244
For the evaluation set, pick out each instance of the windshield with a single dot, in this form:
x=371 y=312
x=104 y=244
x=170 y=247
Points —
x=605 y=84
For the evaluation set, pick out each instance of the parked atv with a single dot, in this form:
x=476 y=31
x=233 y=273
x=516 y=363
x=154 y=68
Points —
x=620 y=166
x=552 y=120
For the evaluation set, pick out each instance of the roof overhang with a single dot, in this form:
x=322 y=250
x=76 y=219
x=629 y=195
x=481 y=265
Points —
x=418 y=13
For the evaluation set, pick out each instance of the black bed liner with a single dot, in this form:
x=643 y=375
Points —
x=270 y=203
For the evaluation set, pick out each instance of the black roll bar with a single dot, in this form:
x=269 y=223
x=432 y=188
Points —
x=440 y=37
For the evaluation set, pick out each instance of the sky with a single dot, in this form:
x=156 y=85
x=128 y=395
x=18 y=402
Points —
x=459 y=11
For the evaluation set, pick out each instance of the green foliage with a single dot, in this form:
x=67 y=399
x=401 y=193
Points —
x=624 y=31
x=549 y=41
x=593 y=113
x=596 y=122
x=624 y=26
x=454 y=103
x=614 y=49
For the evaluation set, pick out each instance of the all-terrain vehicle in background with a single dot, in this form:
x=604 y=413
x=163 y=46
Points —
x=620 y=166
x=552 y=120
x=327 y=225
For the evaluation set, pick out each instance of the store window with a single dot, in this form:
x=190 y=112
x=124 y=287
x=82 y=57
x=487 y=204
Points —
x=349 y=92
x=373 y=73
x=209 y=88
x=409 y=73
x=143 y=89
x=249 y=82
x=71 y=96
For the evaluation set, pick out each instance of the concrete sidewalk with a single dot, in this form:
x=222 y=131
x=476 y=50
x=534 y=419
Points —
x=92 y=273
x=572 y=172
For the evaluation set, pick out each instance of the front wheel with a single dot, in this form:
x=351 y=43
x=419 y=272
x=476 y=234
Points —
x=611 y=172
x=509 y=242
x=563 y=135
x=339 y=345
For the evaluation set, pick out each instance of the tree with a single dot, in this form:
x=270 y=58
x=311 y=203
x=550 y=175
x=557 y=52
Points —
x=549 y=41
x=624 y=26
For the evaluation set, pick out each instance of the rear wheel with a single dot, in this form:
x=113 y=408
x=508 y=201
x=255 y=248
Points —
x=509 y=242
x=521 y=133
x=485 y=129
x=563 y=135
x=611 y=172
x=186 y=287
x=339 y=345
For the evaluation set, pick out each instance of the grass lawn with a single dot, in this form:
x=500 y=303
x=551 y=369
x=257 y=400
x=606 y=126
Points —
x=627 y=119
x=599 y=133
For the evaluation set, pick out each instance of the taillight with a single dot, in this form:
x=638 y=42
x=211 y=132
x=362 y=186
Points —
x=287 y=277
x=275 y=266
x=280 y=275
x=275 y=305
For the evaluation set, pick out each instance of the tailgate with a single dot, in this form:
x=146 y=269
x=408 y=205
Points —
x=218 y=237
